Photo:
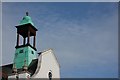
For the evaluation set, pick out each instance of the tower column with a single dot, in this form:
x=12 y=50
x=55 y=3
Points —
x=34 y=41
x=17 y=39
x=24 y=41
x=28 y=41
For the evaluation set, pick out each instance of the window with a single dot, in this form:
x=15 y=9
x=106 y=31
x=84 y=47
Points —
x=21 y=51
x=50 y=75
x=32 y=52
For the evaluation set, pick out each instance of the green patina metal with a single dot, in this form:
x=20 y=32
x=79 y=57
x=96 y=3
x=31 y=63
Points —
x=27 y=19
x=24 y=56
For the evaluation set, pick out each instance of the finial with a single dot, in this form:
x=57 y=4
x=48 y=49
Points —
x=14 y=68
x=26 y=13
x=25 y=66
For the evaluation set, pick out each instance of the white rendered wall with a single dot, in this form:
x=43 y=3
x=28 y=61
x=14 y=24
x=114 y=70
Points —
x=48 y=62
x=13 y=76
x=22 y=75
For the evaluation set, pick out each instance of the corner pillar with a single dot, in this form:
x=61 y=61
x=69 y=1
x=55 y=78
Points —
x=17 y=39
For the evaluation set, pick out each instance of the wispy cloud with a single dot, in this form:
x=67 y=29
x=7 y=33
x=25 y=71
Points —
x=89 y=45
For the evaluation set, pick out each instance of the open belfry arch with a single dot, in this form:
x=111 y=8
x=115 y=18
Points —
x=27 y=63
x=26 y=29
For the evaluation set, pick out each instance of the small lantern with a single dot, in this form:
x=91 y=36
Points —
x=14 y=68
x=25 y=66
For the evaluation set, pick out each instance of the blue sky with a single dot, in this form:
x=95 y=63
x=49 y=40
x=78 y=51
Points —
x=84 y=36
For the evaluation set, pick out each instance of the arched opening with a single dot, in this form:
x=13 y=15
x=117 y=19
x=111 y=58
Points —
x=50 y=75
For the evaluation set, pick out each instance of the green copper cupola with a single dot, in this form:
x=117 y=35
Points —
x=26 y=52
x=26 y=19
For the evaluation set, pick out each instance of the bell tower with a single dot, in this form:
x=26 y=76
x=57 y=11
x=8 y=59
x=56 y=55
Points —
x=26 y=52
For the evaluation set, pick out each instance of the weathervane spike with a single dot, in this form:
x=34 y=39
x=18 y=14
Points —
x=26 y=13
